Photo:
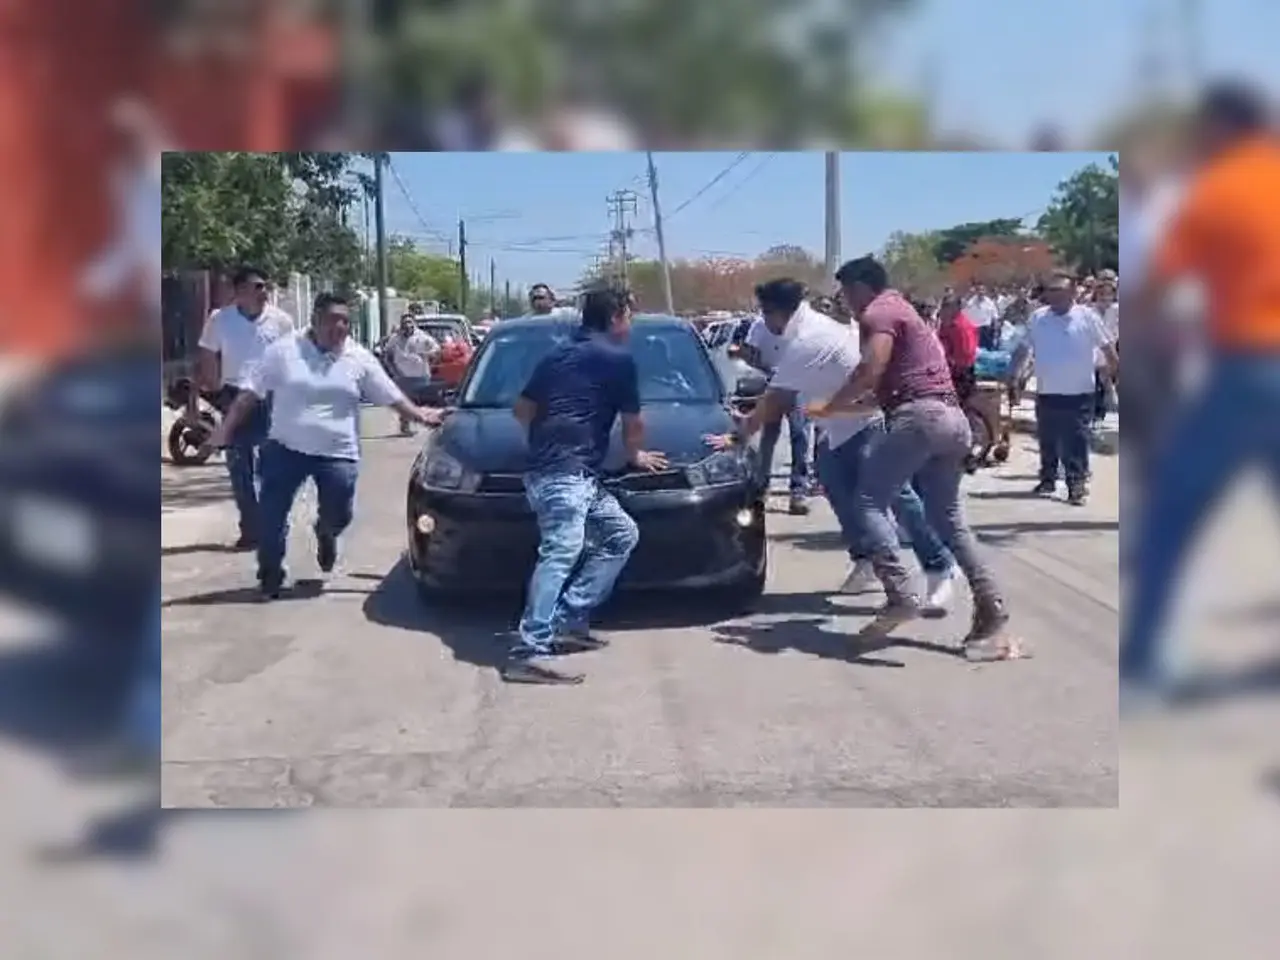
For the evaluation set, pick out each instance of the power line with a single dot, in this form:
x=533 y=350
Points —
x=413 y=206
x=751 y=175
x=737 y=161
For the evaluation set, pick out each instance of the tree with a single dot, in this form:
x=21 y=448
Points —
x=953 y=241
x=778 y=74
x=423 y=276
x=1082 y=222
x=912 y=264
x=282 y=212
x=1001 y=262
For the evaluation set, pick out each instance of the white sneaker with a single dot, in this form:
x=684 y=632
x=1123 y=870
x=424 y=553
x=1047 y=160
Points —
x=939 y=591
x=860 y=579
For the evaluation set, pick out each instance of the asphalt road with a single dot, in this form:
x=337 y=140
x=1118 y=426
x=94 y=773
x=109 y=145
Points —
x=360 y=695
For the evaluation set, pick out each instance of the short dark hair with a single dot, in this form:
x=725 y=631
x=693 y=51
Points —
x=1235 y=105
x=244 y=274
x=783 y=294
x=865 y=270
x=538 y=288
x=330 y=298
x=600 y=305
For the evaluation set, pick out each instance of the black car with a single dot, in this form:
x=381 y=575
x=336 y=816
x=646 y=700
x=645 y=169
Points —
x=702 y=522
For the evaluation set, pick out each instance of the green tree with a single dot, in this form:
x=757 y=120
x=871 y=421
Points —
x=412 y=272
x=913 y=264
x=283 y=212
x=952 y=242
x=1082 y=222
x=684 y=72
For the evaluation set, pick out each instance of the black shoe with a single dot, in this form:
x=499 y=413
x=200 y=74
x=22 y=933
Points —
x=1045 y=488
x=245 y=543
x=535 y=671
x=1077 y=496
x=799 y=507
x=326 y=551
x=272 y=585
x=570 y=643
x=988 y=640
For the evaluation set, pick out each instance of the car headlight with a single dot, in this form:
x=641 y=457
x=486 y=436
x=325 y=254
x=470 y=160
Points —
x=440 y=471
x=719 y=469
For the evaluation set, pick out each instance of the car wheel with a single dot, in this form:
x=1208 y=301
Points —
x=741 y=597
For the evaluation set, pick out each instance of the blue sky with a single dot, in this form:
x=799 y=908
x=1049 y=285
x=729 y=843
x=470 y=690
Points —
x=1003 y=67
x=542 y=216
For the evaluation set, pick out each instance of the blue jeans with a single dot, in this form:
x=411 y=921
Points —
x=587 y=539
x=244 y=466
x=1234 y=424
x=925 y=443
x=840 y=472
x=143 y=724
x=798 y=434
x=284 y=471
x=1063 y=424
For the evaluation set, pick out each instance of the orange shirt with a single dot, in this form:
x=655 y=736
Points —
x=1227 y=234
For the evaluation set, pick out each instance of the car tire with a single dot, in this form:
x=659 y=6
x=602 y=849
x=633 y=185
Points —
x=741 y=597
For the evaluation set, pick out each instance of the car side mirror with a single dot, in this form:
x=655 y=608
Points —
x=750 y=387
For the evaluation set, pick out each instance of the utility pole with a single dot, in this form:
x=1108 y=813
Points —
x=506 y=295
x=380 y=238
x=662 y=240
x=463 y=276
x=623 y=203
x=493 y=287
x=832 y=260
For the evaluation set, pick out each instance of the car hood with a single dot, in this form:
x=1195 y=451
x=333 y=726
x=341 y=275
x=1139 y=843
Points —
x=492 y=441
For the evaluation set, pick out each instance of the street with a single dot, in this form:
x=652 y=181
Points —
x=361 y=695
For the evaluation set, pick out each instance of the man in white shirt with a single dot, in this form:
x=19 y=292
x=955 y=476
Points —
x=231 y=345
x=1108 y=309
x=761 y=349
x=817 y=356
x=1064 y=337
x=317 y=381
x=411 y=351
x=980 y=308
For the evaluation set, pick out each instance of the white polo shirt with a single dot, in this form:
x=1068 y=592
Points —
x=316 y=395
x=1065 y=347
x=241 y=341
x=981 y=311
x=411 y=355
x=765 y=342
x=818 y=355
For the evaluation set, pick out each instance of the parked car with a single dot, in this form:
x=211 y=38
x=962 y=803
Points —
x=702 y=521
x=457 y=346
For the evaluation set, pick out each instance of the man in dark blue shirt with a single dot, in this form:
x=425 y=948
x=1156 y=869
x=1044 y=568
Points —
x=569 y=407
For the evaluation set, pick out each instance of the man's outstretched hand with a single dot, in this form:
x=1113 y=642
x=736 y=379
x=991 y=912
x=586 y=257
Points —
x=650 y=461
x=719 y=441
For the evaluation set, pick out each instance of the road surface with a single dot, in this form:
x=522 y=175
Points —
x=363 y=696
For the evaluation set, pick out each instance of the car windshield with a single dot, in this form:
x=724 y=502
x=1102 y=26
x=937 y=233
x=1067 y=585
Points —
x=670 y=361
x=442 y=332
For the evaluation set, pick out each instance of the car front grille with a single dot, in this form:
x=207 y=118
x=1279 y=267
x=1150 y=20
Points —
x=509 y=483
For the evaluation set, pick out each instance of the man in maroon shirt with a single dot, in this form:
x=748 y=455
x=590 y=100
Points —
x=904 y=371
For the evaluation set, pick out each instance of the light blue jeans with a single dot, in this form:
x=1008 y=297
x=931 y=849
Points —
x=798 y=434
x=840 y=473
x=1234 y=424
x=587 y=539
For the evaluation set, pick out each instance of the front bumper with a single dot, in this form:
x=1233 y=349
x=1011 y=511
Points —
x=489 y=542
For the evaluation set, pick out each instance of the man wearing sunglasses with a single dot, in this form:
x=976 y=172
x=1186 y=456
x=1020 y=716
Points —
x=542 y=300
x=231 y=346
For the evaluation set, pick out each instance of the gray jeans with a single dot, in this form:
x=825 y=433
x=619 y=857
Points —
x=926 y=440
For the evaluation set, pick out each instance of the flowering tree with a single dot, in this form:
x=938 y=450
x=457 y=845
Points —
x=1002 y=261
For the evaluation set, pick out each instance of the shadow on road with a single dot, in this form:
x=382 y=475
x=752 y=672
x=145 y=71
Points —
x=1213 y=686
x=303 y=589
x=807 y=636
x=187 y=549
x=183 y=487
x=999 y=532
x=478 y=630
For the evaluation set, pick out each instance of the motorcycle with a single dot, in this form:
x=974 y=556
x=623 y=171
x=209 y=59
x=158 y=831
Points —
x=187 y=436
